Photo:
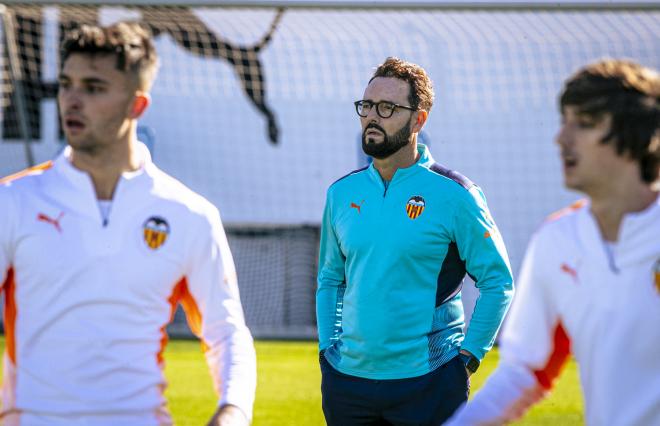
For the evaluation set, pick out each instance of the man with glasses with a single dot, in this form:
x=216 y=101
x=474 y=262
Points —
x=397 y=239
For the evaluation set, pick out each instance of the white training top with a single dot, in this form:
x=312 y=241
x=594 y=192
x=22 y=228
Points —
x=573 y=297
x=86 y=304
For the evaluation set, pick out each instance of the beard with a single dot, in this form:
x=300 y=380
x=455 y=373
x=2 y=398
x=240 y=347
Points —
x=389 y=145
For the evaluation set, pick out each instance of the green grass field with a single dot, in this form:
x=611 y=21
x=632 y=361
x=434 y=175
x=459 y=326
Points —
x=288 y=392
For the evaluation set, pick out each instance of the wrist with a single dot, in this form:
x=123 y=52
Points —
x=470 y=361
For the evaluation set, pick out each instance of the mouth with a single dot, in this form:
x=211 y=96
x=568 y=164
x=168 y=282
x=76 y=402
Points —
x=372 y=131
x=73 y=124
x=569 y=161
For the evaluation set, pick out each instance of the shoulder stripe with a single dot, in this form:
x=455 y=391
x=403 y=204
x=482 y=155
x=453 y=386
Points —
x=27 y=172
x=566 y=210
x=453 y=175
x=350 y=174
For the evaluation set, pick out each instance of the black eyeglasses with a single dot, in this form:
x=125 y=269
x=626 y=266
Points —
x=384 y=109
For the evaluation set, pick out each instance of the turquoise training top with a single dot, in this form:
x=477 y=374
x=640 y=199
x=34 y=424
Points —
x=391 y=265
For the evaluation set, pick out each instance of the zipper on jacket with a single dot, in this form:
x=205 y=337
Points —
x=609 y=252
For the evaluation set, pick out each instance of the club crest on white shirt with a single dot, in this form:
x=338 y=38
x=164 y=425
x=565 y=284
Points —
x=656 y=272
x=156 y=229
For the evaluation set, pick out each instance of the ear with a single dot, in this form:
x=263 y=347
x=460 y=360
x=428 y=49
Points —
x=422 y=115
x=140 y=103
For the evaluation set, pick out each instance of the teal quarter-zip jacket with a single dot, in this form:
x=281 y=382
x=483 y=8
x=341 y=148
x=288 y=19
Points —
x=391 y=266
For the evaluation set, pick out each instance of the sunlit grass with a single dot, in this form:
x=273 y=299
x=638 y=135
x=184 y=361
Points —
x=289 y=382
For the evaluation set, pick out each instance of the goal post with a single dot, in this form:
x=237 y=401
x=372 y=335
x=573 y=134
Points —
x=253 y=108
x=373 y=4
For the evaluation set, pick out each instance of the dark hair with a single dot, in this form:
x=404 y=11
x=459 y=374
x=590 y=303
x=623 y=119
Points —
x=630 y=93
x=421 y=87
x=128 y=41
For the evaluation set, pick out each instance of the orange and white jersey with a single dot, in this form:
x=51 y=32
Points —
x=87 y=299
x=602 y=303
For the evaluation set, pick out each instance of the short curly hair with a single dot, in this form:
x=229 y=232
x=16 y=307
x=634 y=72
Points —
x=630 y=93
x=421 y=87
x=130 y=42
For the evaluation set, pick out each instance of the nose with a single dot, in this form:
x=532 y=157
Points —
x=70 y=100
x=372 y=116
x=564 y=136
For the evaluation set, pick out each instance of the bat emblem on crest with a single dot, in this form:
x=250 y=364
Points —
x=155 y=232
x=415 y=206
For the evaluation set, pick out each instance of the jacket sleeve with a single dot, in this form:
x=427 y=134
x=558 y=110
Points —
x=214 y=312
x=534 y=336
x=533 y=348
x=331 y=281
x=481 y=246
x=6 y=223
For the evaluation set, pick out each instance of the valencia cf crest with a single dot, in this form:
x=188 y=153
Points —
x=156 y=230
x=415 y=206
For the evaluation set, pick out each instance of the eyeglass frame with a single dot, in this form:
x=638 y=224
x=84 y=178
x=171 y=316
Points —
x=376 y=104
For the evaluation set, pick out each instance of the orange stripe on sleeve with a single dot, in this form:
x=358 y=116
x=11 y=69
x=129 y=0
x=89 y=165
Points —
x=561 y=351
x=193 y=315
x=173 y=301
x=9 y=286
x=181 y=294
x=26 y=172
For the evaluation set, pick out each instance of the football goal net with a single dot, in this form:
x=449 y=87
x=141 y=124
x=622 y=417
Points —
x=253 y=108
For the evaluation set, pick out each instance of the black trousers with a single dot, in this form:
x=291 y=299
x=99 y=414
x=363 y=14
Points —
x=425 y=400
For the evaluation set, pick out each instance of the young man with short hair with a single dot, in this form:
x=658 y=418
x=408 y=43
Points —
x=590 y=281
x=99 y=246
x=397 y=239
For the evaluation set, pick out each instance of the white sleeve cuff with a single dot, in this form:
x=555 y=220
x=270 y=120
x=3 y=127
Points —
x=507 y=394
